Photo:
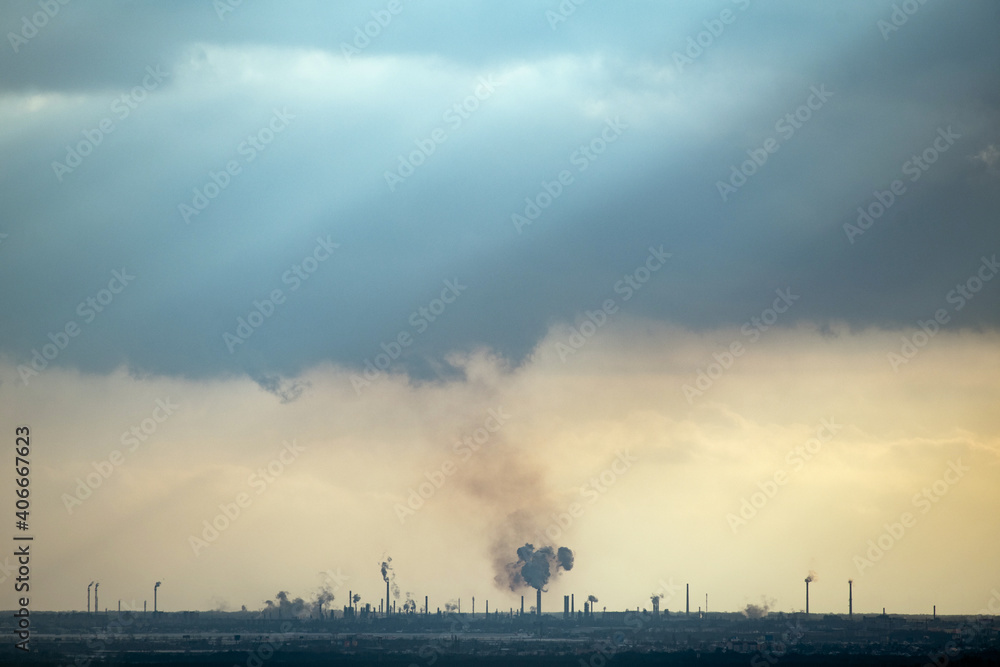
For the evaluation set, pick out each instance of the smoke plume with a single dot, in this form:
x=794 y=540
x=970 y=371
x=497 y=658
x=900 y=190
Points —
x=323 y=598
x=812 y=576
x=296 y=608
x=389 y=576
x=759 y=610
x=534 y=567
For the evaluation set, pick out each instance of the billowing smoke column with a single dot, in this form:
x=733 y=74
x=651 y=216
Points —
x=534 y=567
x=410 y=605
x=389 y=577
x=323 y=597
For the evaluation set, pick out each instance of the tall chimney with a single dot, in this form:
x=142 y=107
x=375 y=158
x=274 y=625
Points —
x=96 y=586
x=350 y=600
x=935 y=612
x=522 y=605
x=706 y=604
x=687 y=601
x=565 y=606
x=425 y=605
x=539 y=606
x=850 y=598
x=807 y=596
x=143 y=606
x=656 y=606
x=88 y=596
x=387 y=598
x=473 y=606
x=572 y=603
x=487 y=609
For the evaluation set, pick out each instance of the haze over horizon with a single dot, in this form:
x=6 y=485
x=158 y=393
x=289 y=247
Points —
x=702 y=292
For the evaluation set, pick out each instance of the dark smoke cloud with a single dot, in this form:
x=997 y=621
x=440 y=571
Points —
x=534 y=567
x=565 y=557
x=759 y=610
x=295 y=608
x=591 y=599
x=287 y=608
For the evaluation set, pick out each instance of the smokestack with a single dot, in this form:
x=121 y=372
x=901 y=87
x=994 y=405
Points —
x=350 y=600
x=565 y=606
x=850 y=598
x=96 y=586
x=935 y=612
x=425 y=605
x=539 y=606
x=586 y=609
x=473 y=606
x=656 y=606
x=143 y=606
x=807 y=595
x=154 y=596
x=572 y=603
x=88 y=596
x=387 y=597
x=706 y=604
x=487 y=609
x=687 y=601
x=522 y=605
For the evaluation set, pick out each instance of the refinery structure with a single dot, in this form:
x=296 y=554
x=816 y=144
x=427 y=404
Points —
x=394 y=630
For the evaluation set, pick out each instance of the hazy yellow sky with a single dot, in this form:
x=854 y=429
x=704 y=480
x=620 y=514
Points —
x=649 y=487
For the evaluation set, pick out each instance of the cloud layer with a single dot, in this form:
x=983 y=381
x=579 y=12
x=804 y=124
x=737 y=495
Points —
x=346 y=122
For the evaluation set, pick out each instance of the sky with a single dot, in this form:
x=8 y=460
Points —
x=703 y=291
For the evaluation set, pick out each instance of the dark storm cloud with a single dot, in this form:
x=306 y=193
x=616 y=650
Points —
x=334 y=127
